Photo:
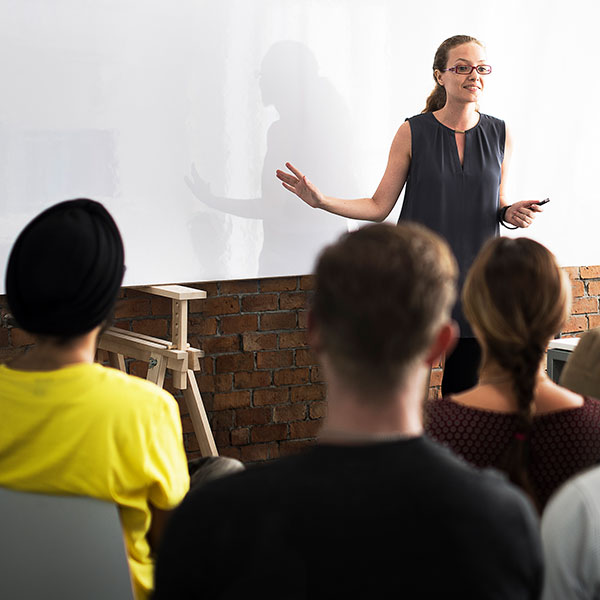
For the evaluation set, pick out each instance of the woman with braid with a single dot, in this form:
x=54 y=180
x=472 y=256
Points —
x=516 y=299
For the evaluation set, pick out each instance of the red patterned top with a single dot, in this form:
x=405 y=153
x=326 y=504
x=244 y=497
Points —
x=562 y=442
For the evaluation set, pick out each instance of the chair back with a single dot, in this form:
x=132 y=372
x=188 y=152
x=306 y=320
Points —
x=61 y=547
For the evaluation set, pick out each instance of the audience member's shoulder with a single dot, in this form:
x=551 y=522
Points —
x=257 y=483
x=440 y=413
x=592 y=405
x=437 y=406
x=222 y=496
x=487 y=488
x=125 y=388
x=588 y=480
x=570 y=534
x=586 y=416
x=581 y=493
x=581 y=374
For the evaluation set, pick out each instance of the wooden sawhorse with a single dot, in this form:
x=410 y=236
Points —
x=176 y=355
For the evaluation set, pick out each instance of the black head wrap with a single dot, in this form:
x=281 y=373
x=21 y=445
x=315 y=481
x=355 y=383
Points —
x=65 y=269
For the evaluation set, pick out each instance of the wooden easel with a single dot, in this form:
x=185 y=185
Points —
x=176 y=355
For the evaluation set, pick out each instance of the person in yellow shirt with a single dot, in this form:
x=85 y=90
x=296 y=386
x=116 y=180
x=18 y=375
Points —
x=68 y=425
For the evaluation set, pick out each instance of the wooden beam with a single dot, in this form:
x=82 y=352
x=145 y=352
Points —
x=179 y=323
x=175 y=292
x=141 y=336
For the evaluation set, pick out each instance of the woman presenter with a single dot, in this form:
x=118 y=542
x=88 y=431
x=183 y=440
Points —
x=454 y=161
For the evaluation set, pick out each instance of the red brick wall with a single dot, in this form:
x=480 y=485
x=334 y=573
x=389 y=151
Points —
x=260 y=382
x=585 y=284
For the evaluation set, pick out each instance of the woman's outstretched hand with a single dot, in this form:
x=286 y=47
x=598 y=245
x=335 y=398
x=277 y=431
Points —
x=522 y=214
x=298 y=183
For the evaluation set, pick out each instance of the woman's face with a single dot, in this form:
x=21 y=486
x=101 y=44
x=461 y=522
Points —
x=463 y=88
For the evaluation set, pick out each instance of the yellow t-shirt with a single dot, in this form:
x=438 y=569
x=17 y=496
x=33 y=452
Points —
x=90 y=430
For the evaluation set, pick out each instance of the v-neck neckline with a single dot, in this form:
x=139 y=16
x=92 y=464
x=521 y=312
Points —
x=453 y=132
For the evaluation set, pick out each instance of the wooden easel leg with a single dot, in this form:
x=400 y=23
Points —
x=200 y=422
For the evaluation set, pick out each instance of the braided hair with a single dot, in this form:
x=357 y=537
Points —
x=516 y=297
x=437 y=98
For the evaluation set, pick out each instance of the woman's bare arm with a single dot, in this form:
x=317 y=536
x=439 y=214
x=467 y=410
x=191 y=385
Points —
x=376 y=208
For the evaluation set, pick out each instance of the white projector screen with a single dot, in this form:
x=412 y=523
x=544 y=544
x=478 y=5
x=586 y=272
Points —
x=176 y=113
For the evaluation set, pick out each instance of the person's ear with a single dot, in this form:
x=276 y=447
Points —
x=438 y=77
x=443 y=343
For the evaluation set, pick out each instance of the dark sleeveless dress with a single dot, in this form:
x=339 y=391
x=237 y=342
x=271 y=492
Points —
x=459 y=202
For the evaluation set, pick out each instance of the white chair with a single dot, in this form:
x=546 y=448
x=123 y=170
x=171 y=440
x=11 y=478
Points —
x=61 y=547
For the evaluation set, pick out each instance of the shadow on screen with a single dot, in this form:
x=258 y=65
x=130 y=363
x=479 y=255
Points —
x=314 y=133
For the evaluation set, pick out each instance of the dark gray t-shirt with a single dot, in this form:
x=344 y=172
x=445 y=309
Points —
x=405 y=516
x=460 y=202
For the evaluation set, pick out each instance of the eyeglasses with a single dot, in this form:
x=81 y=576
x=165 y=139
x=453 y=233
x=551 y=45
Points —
x=468 y=69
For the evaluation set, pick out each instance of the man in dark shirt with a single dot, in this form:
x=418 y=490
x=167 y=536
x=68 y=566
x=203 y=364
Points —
x=374 y=507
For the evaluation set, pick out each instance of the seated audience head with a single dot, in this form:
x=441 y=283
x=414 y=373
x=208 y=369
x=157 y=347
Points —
x=65 y=270
x=516 y=298
x=382 y=295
